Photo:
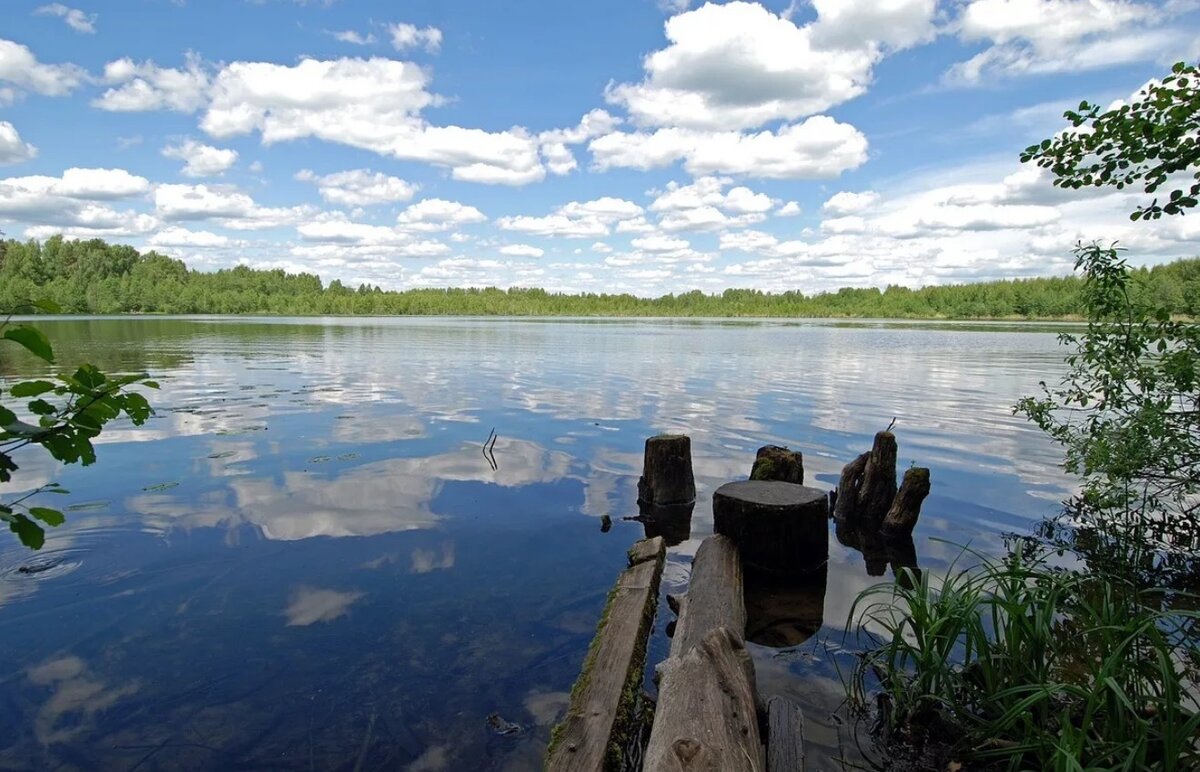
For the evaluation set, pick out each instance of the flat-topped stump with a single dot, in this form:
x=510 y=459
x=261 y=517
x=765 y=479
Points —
x=780 y=528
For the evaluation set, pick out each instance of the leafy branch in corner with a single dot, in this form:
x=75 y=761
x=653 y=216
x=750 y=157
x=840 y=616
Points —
x=65 y=413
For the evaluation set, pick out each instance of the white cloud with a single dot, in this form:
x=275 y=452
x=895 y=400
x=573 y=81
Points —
x=13 y=149
x=373 y=104
x=1029 y=37
x=175 y=236
x=790 y=209
x=201 y=160
x=437 y=214
x=522 y=250
x=847 y=202
x=660 y=243
x=820 y=147
x=74 y=18
x=226 y=205
x=586 y=219
x=738 y=65
x=354 y=38
x=310 y=605
x=75 y=204
x=406 y=36
x=710 y=191
x=145 y=86
x=22 y=69
x=359 y=187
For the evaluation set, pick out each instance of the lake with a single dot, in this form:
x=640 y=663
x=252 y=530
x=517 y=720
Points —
x=304 y=560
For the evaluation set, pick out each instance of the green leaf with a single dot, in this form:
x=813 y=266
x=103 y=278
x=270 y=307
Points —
x=51 y=517
x=33 y=339
x=41 y=407
x=89 y=377
x=7 y=416
x=150 y=384
x=47 y=305
x=29 y=532
x=31 y=388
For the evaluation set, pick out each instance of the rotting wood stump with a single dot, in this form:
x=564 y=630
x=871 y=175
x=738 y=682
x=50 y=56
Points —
x=667 y=478
x=878 y=479
x=602 y=714
x=902 y=517
x=775 y=463
x=779 y=528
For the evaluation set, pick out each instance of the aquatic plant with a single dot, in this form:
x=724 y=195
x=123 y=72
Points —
x=1020 y=665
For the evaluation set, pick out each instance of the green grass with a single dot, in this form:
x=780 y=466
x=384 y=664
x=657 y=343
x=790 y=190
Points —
x=1013 y=664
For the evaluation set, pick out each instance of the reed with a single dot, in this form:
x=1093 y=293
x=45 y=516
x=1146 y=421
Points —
x=1014 y=664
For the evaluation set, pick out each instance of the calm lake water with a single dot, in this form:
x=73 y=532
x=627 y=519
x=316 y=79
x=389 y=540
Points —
x=305 y=561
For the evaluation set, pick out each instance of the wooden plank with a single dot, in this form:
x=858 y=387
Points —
x=601 y=713
x=714 y=596
x=647 y=549
x=705 y=719
x=785 y=736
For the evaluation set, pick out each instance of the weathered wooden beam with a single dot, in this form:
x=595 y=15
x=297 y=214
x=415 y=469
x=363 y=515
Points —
x=667 y=477
x=714 y=596
x=785 y=736
x=705 y=719
x=601 y=715
x=778 y=527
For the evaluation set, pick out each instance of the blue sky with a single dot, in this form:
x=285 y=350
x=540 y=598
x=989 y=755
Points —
x=635 y=146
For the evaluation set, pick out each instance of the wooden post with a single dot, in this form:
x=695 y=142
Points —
x=714 y=596
x=785 y=736
x=879 y=479
x=906 y=507
x=845 y=508
x=602 y=714
x=775 y=463
x=706 y=719
x=667 y=478
x=778 y=527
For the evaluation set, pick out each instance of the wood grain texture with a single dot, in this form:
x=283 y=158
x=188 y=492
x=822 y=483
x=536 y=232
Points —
x=785 y=736
x=706 y=720
x=714 y=596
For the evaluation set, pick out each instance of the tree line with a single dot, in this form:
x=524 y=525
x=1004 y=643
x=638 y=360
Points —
x=96 y=277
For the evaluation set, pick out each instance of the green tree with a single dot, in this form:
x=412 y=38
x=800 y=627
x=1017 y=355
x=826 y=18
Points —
x=1146 y=142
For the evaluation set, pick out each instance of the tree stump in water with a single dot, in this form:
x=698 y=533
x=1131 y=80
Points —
x=902 y=517
x=778 y=527
x=667 y=478
x=845 y=508
x=879 y=479
x=775 y=463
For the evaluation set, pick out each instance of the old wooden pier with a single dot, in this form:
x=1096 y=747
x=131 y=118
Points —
x=771 y=534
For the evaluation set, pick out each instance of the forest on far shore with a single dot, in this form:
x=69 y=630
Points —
x=100 y=278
